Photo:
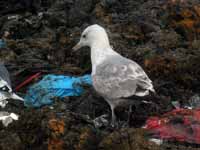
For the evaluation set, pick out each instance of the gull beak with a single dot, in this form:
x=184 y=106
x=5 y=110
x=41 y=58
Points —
x=77 y=47
x=15 y=96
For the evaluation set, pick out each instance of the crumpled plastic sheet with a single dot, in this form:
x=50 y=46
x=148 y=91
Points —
x=51 y=86
x=101 y=121
x=3 y=102
x=182 y=125
x=7 y=118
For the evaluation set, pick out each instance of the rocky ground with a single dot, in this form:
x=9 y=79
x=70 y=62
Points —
x=163 y=36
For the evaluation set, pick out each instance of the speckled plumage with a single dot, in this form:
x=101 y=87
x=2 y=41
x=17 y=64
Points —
x=114 y=76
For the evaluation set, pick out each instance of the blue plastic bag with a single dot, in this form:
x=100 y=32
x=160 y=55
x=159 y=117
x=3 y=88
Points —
x=43 y=92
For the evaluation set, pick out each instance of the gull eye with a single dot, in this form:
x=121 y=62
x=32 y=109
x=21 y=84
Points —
x=84 y=36
x=4 y=88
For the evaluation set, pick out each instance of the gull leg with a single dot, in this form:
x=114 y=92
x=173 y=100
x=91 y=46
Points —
x=129 y=114
x=113 y=120
x=112 y=107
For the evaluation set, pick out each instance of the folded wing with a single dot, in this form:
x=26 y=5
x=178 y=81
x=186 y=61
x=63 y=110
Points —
x=120 y=77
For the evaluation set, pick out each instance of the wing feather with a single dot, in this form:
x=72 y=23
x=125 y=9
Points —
x=117 y=78
x=4 y=74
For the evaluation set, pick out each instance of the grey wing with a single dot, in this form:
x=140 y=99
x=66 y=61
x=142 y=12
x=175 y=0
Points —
x=144 y=84
x=4 y=74
x=121 y=79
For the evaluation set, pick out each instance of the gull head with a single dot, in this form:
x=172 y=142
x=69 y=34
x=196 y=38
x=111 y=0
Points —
x=6 y=92
x=93 y=36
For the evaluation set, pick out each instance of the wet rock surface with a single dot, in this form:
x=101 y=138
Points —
x=163 y=36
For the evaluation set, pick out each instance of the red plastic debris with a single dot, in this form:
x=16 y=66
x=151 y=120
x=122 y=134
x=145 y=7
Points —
x=37 y=75
x=181 y=125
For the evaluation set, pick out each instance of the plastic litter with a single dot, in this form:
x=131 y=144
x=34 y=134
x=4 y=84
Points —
x=176 y=104
x=7 y=118
x=101 y=121
x=182 y=125
x=43 y=92
x=35 y=76
x=3 y=102
x=2 y=43
x=195 y=101
x=14 y=17
x=156 y=141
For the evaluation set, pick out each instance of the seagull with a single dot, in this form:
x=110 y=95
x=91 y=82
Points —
x=5 y=87
x=114 y=77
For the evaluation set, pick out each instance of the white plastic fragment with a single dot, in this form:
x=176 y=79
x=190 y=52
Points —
x=13 y=17
x=195 y=101
x=101 y=121
x=3 y=103
x=14 y=116
x=7 y=121
x=176 y=104
x=7 y=118
x=40 y=15
x=156 y=141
